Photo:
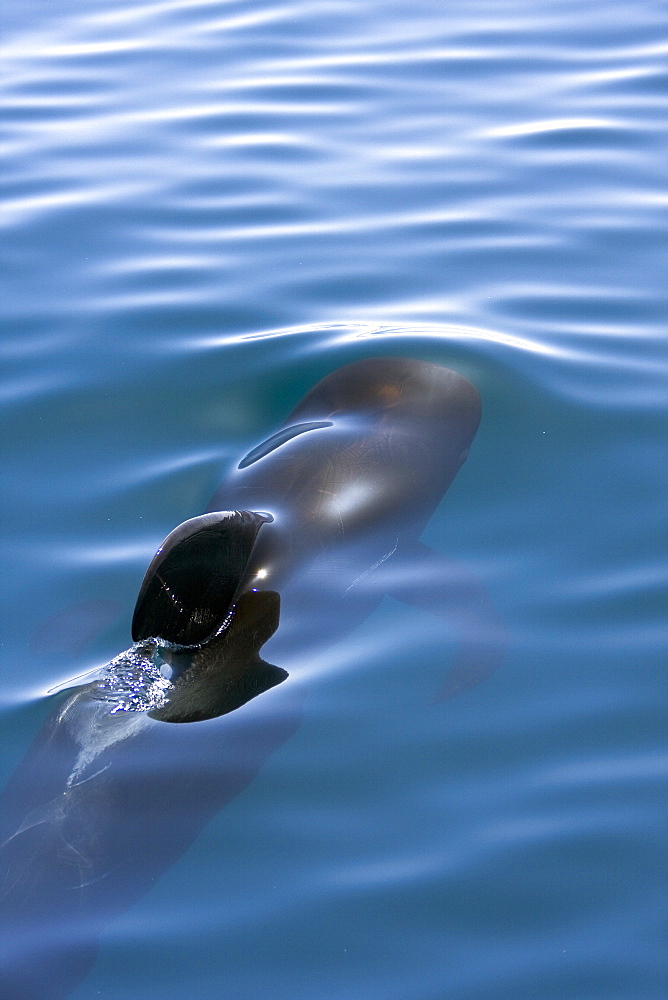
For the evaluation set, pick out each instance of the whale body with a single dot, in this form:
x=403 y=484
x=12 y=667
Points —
x=347 y=485
x=301 y=541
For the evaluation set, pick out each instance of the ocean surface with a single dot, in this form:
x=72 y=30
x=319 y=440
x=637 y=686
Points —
x=208 y=206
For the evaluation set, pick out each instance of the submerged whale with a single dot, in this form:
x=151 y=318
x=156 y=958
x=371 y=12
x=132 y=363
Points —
x=313 y=527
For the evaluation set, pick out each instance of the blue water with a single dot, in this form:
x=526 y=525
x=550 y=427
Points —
x=208 y=206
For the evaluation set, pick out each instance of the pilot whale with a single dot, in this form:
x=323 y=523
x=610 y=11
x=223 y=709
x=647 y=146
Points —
x=301 y=541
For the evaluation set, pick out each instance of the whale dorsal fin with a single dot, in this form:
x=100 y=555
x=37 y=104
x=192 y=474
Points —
x=227 y=671
x=192 y=580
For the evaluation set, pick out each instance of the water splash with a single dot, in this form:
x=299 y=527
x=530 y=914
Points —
x=134 y=680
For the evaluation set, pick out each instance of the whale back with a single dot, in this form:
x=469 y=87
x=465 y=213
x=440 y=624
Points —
x=356 y=470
